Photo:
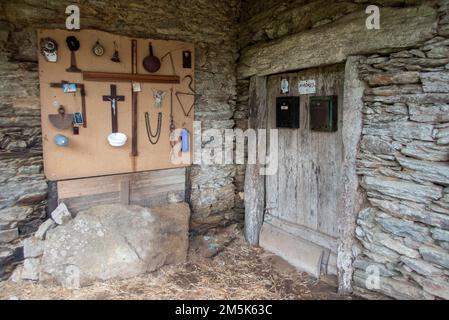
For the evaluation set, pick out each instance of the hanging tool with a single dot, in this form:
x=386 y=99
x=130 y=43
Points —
x=192 y=93
x=151 y=63
x=170 y=55
x=61 y=120
x=115 y=57
x=135 y=90
x=74 y=45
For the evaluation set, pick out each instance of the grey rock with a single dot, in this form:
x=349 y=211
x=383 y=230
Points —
x=411 y=211
x=14 y=214
x=115 y=241
x=16 y=275
x=426 y=151
x=435 y=255
x=421 y=267
x=427 y=170
x=5 y=254
x=395 y=245
x=400 y=130
x=380 y=250
x=363 y=264
x=43 y=229
x=10 y=235
x=31 y=269
x=173 y=197
x=405 y=229
x=436 y=285
x=429 y=113
x=435 y=81
x=402 y=189
x=7 y=225
x=377 y=145
x=383 y=79
x=61 y=214
x=440 y=235
x=32 y=247
x=398 y=289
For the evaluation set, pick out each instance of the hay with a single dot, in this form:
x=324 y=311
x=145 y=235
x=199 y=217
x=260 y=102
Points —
x=237 y=272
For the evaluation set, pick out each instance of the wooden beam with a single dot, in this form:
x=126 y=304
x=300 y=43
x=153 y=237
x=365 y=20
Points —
x=254 y=181
x=331 y=44
x=126 y=77
x=352 y=196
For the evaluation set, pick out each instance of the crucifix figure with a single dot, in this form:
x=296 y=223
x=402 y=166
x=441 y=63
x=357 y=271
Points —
x=114 y=98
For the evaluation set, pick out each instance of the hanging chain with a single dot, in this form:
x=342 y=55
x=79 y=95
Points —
x=150 y=134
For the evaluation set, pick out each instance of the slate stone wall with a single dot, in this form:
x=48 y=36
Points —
x=210 y=25
x=403 y=167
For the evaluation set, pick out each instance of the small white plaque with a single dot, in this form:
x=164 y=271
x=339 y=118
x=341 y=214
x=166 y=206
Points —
x=307 y=87
x=136 y=87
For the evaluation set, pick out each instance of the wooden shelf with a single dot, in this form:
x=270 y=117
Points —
x=127 y=77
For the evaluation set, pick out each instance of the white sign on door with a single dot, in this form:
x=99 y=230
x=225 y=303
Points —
x=307 y=87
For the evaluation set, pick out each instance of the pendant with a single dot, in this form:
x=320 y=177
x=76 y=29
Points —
x=98 y=49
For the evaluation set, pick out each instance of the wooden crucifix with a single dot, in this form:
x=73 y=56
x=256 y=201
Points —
x=114 y=98
x=135 y=79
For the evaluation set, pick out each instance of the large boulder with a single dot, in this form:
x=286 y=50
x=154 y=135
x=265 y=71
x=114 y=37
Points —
x=115 y=242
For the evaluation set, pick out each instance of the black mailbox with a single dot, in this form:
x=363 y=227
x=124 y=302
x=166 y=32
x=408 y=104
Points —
x=287 y=112
x=324 y=113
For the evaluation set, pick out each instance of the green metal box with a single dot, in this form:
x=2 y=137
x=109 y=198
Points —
x=324 y=113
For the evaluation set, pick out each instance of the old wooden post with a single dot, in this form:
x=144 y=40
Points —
x=352 y=198
x=254 y=181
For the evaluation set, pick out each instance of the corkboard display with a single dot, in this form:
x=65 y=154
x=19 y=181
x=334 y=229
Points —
x=89 y=154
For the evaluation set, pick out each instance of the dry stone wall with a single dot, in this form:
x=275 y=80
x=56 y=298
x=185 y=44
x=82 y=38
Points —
x=210 y=25
x=403 y=166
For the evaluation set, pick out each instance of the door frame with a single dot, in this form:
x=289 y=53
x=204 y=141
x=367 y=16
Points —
x=353 y=197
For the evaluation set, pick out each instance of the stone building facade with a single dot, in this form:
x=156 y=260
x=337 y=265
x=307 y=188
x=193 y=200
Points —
x=402 y=230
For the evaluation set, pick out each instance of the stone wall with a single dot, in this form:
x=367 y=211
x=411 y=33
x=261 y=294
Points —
x=403 y=166
x=210 y=25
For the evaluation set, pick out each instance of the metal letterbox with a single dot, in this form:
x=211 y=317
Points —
x=324 y=113
x=287 y=112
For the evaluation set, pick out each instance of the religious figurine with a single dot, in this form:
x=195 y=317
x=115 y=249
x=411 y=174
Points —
x=158 y=96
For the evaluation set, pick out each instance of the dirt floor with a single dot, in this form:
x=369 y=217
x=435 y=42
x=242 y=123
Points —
x=220 y=266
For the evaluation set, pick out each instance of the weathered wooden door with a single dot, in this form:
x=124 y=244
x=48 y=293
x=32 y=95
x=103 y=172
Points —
x=304 y=198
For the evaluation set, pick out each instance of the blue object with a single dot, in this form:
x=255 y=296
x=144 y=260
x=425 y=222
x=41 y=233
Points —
x=184 y=140
x=61 y=140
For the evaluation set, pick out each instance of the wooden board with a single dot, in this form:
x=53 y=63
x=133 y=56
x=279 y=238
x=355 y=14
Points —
x=144 y=188
x=89 y=153
x=305 y=197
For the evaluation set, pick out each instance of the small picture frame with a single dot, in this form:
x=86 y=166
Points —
x=78 y=119
x=69 y=87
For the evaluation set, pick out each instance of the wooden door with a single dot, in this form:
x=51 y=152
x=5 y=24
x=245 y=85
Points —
x=304 y=198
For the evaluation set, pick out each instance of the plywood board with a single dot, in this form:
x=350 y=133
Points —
x=89 y=154
x=149 y=189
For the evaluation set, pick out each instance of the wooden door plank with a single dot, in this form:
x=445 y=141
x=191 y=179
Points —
x=288 y=173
